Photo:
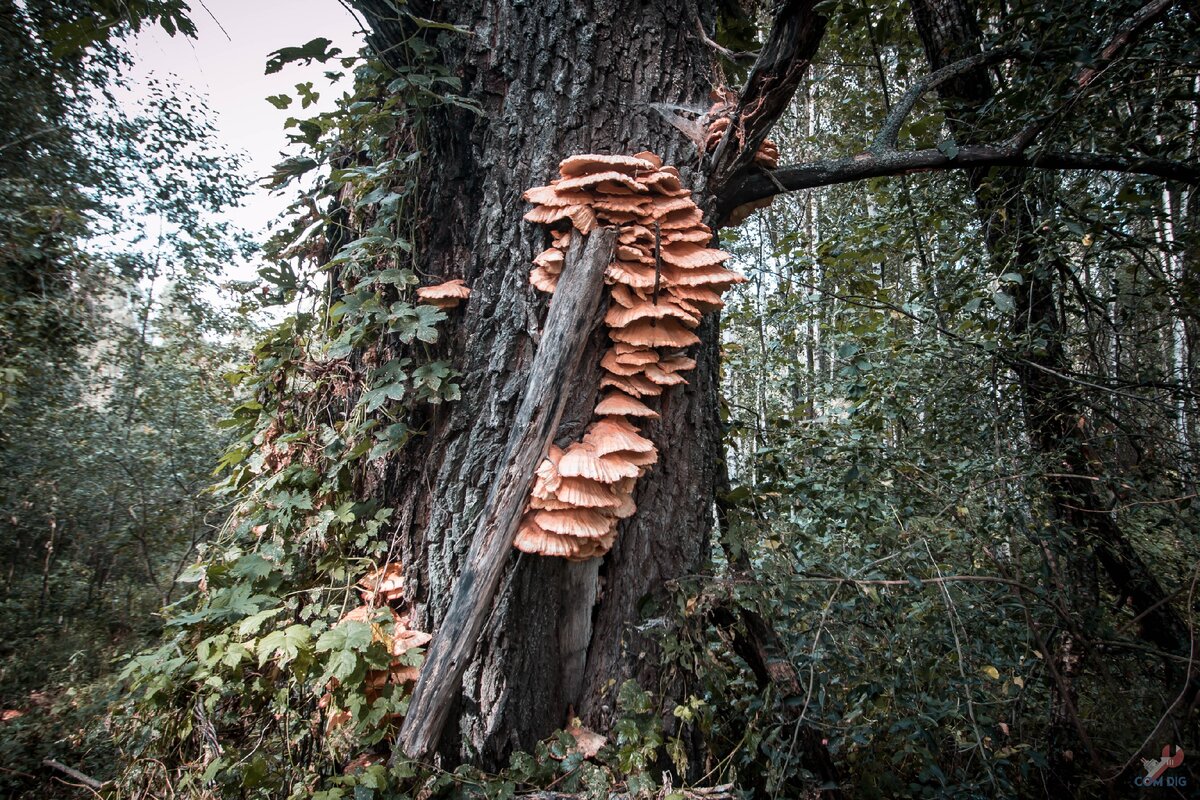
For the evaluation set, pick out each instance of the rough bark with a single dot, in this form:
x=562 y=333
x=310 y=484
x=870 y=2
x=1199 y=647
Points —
x=554 y=78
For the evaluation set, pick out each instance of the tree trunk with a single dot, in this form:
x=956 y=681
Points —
x=553 y=78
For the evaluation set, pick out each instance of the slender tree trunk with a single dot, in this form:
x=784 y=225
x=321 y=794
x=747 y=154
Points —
x=554 y=78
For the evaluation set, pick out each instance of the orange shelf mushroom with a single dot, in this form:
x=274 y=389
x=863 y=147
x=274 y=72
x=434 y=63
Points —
x=767 y=155
x=445 y=295
x=663 y=278
x=380 y=589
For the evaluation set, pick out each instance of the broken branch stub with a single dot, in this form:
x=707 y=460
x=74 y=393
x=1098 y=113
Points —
x=565 y=336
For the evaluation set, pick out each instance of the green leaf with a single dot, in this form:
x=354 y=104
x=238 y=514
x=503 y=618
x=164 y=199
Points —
x=314 y=50
x=351 y=635
x=250 y=625
x=948 y=148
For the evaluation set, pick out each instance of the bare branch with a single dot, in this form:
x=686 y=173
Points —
x=564 y=338
x=871 y=165
x=885 y=140
x=74 y=773
x=1145 y=15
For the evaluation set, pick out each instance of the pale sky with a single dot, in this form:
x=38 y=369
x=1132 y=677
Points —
x=227 y=67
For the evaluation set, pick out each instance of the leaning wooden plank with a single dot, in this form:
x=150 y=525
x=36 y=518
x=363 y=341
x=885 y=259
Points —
x=569 y=324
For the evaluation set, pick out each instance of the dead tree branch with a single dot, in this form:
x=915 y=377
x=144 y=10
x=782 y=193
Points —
x=90 y=782
x=885 y=140
x=569 y=322
x=795 y=34
x=872 y=165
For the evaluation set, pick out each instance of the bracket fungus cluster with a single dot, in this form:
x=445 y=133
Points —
x=382 y=593
x=767 y=155
x=663 y=278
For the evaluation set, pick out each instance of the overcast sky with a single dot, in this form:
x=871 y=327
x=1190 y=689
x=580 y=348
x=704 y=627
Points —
x=226 y=63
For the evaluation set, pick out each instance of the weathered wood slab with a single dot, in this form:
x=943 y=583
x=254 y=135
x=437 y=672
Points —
x=565 y=336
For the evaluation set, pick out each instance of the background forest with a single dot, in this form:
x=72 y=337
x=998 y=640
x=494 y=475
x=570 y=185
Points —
x=960 y=409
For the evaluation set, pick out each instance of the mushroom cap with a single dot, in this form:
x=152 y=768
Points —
x=551 y=196
x=662 y=377
x=543 y=280
x=609 y=362
x=589 y=549
x=450 y=290
x=544 y=215
x=550 y=503
x=590 y=163
x=631 y=273
x=683 y=218
x=618 y=317
x=703 y=297
x=582 y=461
x=405 y=640
x=618 y=217
x=603 y=181
x=635 y=385
x=385 y=583
x=701 y=276
x=664 y=183
x=581 y=216
x=615 y=433
x=627 y=508
x=687 y=305
x=531 y=538
x=767 y=155
x=690 y=255
x=583 y=219
x=677 y=364
x=625 y=296
x=653 y=158
x=585 y=523
x=546 y=477
x=637 y=358
x=660 y=206
x=630 y=252
x=629 y=203
x=655 y=333
x=550 y=259
x=635 y=233
x=587 y=493
x=620 y=404
x=641 y=459
x=699 y=235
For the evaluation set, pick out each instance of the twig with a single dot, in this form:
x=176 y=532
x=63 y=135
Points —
x=953 y=619
x=74 y=773
x=724 y=52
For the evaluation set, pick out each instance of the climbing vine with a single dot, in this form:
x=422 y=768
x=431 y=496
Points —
x=266 y=683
